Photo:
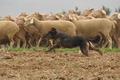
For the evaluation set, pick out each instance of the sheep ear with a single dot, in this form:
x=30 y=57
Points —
x=31 y=21
x=57 y=17
x=119 y=16
x=12 y=18
x=103 y=12
x=25 y=19
x=70 y=17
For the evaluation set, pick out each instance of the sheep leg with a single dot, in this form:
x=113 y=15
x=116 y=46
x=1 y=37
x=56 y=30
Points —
x=24 y=42
x=10 y=37
x=18 y=41
x=39 y=41
x=116 y=41
x=108 y=41
x=30 y=41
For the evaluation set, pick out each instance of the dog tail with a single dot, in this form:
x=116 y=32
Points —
x=97 y=39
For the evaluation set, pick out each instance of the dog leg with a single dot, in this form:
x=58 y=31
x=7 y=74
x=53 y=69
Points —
x=52 y=47
x=92 y=47
x=84 y=49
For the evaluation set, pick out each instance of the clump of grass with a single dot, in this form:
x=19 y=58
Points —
x=110 y=50
x=15 y=62
x=38 y=61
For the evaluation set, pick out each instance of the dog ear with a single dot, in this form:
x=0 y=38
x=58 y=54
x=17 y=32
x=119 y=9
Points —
x=53 y=29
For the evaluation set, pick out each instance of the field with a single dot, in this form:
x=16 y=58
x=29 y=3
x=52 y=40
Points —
x=59 y=65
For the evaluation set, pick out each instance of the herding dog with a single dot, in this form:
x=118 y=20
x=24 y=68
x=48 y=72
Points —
x=67 y=41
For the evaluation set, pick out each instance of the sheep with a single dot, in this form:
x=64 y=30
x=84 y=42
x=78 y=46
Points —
x=90 y=28
x=8 y=29
x=99 y=13
x=45 y=16
x=24 y=14
x=16 y=39
x=86 y=12
x=21 y=34
x=52 y=17
x=1 y=19
x=59 y=15
x=31 y=30
x=43 y=26
x=115 y=17
x=66 y=17
x=8 y=18
x=38 y=15
x=72 y=12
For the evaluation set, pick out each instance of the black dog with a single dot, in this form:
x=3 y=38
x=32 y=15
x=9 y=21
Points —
x=67 y=41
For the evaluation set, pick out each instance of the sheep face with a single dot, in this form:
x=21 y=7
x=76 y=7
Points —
x=24 y=14
x=65 y=17
x=20 y=21
x=98 y=13
x=71 y=12
x=9 y=18
x=37 y=15
x=86 y=12
x=28 y=21
x=115 y=16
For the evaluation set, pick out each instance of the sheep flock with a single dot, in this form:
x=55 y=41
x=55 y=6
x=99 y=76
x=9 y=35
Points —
x=26 y=30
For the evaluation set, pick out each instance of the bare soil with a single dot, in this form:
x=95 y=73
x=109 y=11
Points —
x=37 y=65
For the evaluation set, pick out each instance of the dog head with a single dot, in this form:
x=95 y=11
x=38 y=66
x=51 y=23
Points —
x=50 y=34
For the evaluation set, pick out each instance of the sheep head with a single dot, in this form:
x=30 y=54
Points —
x=9 y=18
x=115 y=16
x=20 y=20
x=65 y=17
x=28 y=21
x=86 y=12
x=99 y=13
x=71 y=12
x=59 y=15
x=24 y=14
x=38 y=15
x=68 y=17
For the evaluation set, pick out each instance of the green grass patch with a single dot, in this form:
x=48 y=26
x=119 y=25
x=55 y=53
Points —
x=110 y=50
x=60 y=49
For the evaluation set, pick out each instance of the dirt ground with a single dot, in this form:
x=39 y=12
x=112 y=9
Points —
x=37 y=65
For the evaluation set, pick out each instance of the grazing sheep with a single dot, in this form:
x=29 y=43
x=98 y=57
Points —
x=8 y=29
x=43 y=26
